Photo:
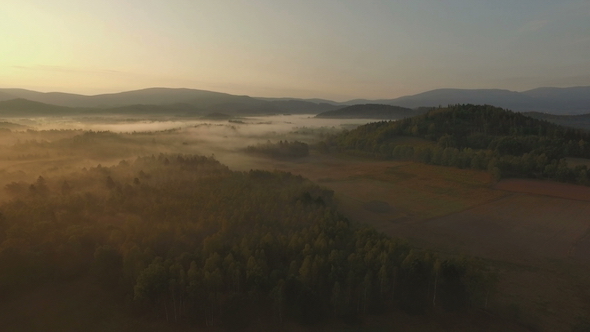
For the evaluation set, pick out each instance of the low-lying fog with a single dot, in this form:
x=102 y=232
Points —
x=128 y=124
x=52 y=146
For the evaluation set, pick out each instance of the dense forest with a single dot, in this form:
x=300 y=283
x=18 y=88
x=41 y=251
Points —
x=475 y=136
x=185 y=239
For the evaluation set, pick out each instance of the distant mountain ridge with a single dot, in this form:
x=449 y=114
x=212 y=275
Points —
x=572 y=100
x=24 y=107
x=151 y=96
x=201 y=100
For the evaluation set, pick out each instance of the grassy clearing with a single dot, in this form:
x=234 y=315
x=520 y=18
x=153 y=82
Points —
x=415 y=191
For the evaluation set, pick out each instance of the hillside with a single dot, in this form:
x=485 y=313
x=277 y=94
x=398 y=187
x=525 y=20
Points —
x=28 y=108
x=581 y=121
x=445 y=97
x=369 y=111
x=479 y=137
x=241 y=106
x=153 y=96
x=573 y=100
x=23 y=107
x=208 y=101
x=6 y=96
x=141 y=109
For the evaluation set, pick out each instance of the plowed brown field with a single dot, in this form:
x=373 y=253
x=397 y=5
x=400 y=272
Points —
x=546 y=188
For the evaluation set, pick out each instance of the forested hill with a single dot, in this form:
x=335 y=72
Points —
x=369 y=111
x=476 y=136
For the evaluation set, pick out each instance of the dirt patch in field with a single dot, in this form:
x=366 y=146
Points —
x=547 y=188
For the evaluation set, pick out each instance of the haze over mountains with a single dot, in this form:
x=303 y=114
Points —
x=574 y=100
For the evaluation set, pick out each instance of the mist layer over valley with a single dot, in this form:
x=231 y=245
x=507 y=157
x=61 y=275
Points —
x=42 y=146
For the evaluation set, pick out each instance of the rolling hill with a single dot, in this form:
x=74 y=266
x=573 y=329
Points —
x=245 y=106
x=207 y=101
x=445 y=97
x=24 y=107
x=573 y=100
x=27 y=108
x=152 y=96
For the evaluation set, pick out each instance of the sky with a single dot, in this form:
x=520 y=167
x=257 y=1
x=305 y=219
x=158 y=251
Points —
x=333 y=49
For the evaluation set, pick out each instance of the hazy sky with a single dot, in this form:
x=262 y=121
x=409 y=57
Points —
x=337 y=49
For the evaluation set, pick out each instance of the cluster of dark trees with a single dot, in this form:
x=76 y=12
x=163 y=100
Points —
x=475 y=136
x=185 y=239
x=281 y=149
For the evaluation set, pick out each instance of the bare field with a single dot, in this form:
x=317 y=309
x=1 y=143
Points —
x=539 y=243
x=547 y=188
x=518 y=228
x=413 y=191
